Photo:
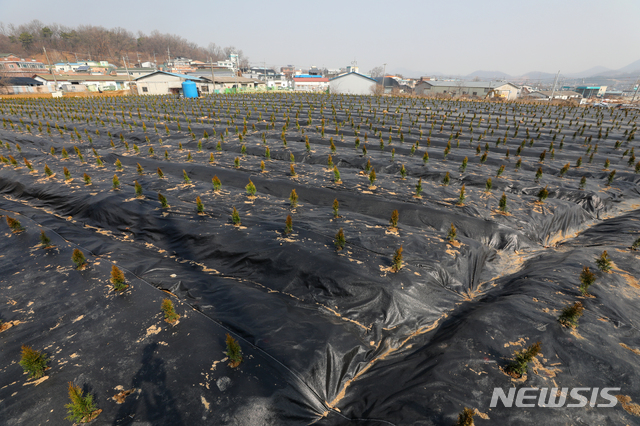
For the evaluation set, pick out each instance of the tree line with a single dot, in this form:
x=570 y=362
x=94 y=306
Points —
x=63 y=43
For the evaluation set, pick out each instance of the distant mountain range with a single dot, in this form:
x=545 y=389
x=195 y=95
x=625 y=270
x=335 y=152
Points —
x=596 y=74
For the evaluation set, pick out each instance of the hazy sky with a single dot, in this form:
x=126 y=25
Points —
x=448 y=36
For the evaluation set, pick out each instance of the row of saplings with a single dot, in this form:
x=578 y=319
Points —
x=82 y=408
x=568 y=317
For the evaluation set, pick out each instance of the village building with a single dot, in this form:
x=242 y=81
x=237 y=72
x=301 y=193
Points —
x=83 y=83
x=163 y=83
x=545 y=95
x=480 y=89
x=14 y=66
x=352 y=83
x=134 y=72
x=85 y=67
x=310 y=83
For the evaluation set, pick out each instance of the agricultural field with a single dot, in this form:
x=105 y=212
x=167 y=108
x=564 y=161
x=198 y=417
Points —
x=379 y=260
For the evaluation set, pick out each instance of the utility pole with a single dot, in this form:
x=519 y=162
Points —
x=554 y=86
x=154 y=60
x=384 y=73
x=89 y=56
x=635 y=92
x=213 y=78
x=76 y=56
x=55 y=81
x=127 y=69
x=237 y=67
x=138 y=58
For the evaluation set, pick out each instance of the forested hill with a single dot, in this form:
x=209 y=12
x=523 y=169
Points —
x=98 y=43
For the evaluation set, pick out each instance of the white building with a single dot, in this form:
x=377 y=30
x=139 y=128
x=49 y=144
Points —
x=310 y=83
x=163 y=83
x=79 y=83
x=545 y=95
x=134 y=72
x=352 y=83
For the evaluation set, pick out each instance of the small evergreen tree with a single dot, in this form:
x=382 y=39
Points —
x=465 y=418
x=163 y=201
x=461 y=198
x=372 y=177
x=453 y=233
x=543 y=194
x=397 y=259
x=538 y=174
x=500 y=170
x=139 y=168
x=446 y=179
x=587 y=278
x=15 y=225
x=117 y=279
x=81 y=409
x=87 y=179
x=336 y=206
x=610 y=177
x=78 y=259
x=236 y=162
x=336 y=175
x=578 y=162
x=583 y=182
x=199 y=205
x=47 y=171
x=288 y=225
x=636 y=245
x=339 y=240
x=250 y=188
x=33 y=362
x=503 y=203
x=403 y=172
x=604 y=262
x=564 y=169
x=233 y=352
x=45 y=241
x=463 y=167
x=394 y=219
x=138 y=189
x=170 y=314
x=521 y=360
x=215 y=181
x=27 y=163
x=116 y=182
x=185 y=177
x=571 y=314
x=235 y=217
x=419 y=188
x=293 y=199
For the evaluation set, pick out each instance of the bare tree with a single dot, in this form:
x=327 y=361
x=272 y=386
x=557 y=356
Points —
x=376 y=72
x=377 y=89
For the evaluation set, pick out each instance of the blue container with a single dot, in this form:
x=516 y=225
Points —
x=189 y=89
